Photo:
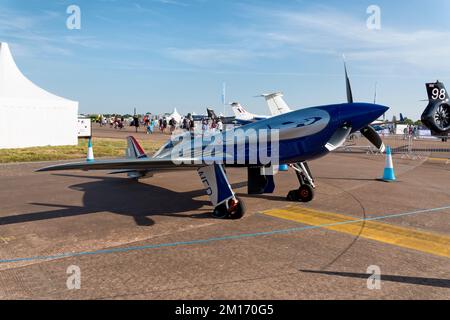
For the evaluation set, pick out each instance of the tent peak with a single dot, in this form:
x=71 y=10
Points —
x=14 y=84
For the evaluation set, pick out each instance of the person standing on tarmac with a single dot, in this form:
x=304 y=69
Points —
x=220 y=125
x=136 y=122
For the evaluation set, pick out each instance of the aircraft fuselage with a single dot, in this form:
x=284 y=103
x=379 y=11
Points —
x=303 y=134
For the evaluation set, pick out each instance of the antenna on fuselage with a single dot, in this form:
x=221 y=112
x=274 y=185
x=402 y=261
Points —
x=375 y=95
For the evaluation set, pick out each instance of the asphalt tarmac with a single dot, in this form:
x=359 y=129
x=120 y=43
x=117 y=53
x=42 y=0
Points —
x=156 y=239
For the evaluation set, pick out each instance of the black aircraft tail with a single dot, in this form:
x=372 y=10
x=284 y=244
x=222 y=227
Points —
x=437 y=92
x=436 y=116
x=211 y=114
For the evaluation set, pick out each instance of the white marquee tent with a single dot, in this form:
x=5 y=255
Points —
x=29 y=115
x=175 y=115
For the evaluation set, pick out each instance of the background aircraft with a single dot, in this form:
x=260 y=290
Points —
x=211 y=115
x=225 y=120
x=304 y=135
x=276 y=105
x=243 y=116
x=436 y=116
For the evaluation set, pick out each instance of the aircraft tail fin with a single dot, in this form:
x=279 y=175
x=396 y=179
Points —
x=134 y=149
x=402 y=119
x=437 y=92
x=211 y=114
x=276 y=103
x=240 y=112
x=436 y=115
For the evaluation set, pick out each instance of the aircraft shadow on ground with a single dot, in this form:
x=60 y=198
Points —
x=127 y=197
x=431 y=282
x=121 y=196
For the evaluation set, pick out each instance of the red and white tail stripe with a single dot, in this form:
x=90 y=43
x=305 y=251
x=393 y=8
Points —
x=134 y=149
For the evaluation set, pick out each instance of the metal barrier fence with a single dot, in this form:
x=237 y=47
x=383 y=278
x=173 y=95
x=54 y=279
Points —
x=411 y=147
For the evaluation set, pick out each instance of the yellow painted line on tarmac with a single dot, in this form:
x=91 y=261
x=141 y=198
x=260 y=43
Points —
x=6 y=240
x=439 y=159
x=424 y=241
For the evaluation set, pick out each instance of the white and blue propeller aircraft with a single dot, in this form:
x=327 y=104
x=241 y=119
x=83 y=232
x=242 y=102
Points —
x=304 y=135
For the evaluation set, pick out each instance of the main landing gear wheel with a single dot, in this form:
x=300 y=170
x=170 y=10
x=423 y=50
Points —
x=235 y=210
x=306 y=191
x=304 y=194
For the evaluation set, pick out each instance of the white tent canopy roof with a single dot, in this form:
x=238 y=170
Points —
x=14 y=85
x=175 y=115
x=54 y=118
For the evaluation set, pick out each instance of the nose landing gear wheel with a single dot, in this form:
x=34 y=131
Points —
x=234 y=211
x=304 y=194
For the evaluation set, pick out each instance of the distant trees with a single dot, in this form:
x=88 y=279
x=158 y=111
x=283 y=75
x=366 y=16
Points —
x=409 y=122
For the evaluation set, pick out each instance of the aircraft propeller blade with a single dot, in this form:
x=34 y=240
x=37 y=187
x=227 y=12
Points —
x=372 y=135
x=349 y=87
x=368 y=132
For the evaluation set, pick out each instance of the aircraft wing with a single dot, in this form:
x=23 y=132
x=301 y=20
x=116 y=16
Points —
x=139 y=165
x=146 y=164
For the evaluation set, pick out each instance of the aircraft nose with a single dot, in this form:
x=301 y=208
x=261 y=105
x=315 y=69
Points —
x=382 y=109
x=379 y=110
x=361 y=115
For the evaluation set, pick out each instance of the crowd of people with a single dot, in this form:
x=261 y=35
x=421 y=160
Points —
x=164 y=124
x=186 y=123
x=115 y=122
x=411 y=131
x=212 y=125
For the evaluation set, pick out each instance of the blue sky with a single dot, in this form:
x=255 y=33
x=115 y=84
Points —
x=159 y=54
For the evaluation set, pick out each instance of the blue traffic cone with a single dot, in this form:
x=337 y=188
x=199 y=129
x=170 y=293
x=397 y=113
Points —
x=90 y=154
x=389 y=174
